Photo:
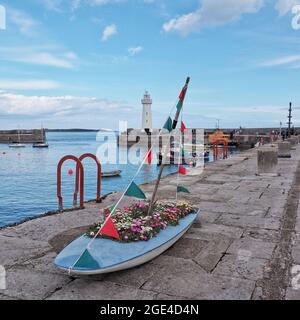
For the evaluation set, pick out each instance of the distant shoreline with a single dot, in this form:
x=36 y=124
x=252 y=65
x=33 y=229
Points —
x=71 y=130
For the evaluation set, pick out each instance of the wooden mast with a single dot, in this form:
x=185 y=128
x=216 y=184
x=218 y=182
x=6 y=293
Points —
x=174 y=125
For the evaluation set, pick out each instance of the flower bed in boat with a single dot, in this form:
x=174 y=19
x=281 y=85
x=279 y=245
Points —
x=134 y=224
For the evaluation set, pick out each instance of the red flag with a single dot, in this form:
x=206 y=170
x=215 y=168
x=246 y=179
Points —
x=149 y=157
x=182 y=170
x=183 y=127
x=110 y=230
x=182 y=93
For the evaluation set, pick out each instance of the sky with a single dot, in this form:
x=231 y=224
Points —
x=87 y=63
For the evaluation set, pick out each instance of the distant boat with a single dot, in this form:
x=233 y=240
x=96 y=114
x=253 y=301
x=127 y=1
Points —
x=42 y=144
x=108 y=174
x=17 y=144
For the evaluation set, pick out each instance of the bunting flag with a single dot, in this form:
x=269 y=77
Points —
x=135 y=191
x=182 y=189
x=182 y=170
x=109 y=229
x=182 y=93
x=87 y=261
x=149 y=157
x=108 y=211
x=182 y=127
x=179 y=105
x=168 y=125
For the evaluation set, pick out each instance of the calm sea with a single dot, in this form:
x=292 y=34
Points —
x=28 y=175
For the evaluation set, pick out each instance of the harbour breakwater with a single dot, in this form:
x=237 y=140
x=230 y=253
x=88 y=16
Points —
x=22 y=136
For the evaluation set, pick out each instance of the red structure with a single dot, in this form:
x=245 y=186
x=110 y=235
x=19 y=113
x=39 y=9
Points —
x=219 y=138
x=80 y=169
x=92 y=156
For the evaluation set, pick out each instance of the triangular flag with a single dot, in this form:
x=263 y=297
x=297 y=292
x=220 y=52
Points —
x=182 y=127
x=182 y=170
x=168 y=125
x=149 y=156
x=109 y=229
x=87 y=261
x=182 y=93
x=135 y=191
x=179 y=105
x=108 y=211
x=182 y=189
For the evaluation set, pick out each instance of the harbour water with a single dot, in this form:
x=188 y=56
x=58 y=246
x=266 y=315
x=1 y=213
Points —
x=28 y=175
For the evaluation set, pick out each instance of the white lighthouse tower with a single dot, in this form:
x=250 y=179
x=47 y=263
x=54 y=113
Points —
x=147 y=113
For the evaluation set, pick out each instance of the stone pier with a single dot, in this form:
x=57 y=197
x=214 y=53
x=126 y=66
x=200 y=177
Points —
x=245 y=243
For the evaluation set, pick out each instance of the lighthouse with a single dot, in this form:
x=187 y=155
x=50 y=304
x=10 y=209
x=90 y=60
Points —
x=147 y=113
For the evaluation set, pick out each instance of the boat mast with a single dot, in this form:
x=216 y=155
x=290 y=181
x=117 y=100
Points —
x=174 y=125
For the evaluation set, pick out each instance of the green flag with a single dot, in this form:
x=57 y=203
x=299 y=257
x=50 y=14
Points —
x=87 y=261
x=182 y=189
x=135 y=191
x=179 y=105
x=168 y=125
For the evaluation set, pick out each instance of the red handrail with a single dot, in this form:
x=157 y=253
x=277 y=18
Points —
x=79 y=167
x=81 y=158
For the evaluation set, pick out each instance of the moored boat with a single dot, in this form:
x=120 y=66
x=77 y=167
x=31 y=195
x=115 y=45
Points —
x=40 y=145
x=108 y=255
x=108 y=174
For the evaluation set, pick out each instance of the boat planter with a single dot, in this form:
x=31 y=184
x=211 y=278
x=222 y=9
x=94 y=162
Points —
x=108 y=255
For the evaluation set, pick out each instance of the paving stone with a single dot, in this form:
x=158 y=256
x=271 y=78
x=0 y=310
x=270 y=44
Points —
x=292 y=294
x=296 y=254
x=212 y=230
x=161 y=296
x=16 y=250
x=134 y=277
x=206 y=217
x=187 y=248
x=248 y=221
x=82 y=289
x=242 y=266
x=209 y=257
x=189 y=281
x=23 y=283
x=261 y=234
x=4 y=297
x=255 y=248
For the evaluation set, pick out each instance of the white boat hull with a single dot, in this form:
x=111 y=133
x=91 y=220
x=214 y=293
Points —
x=114 y=256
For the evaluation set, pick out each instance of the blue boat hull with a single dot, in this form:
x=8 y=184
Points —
x=113 y=256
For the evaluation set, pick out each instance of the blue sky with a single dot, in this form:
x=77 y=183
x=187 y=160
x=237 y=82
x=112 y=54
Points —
x=87 y=63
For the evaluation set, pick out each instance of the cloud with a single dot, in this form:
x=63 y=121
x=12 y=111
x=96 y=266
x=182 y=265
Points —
x=109 y=31
x=281 y=61
x=7 y=84
x=212 y=13
x=135 y=50
x=39 y=56
x=104 y=2
x=285 y=6
x=57 y=106
x=23 y=21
